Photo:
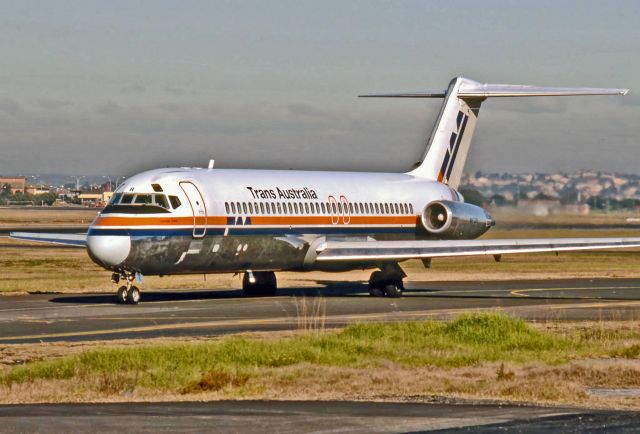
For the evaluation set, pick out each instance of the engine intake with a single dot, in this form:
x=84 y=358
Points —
x=455 y=220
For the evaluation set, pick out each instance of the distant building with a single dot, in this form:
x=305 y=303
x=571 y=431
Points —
x=95 y=199
x=16 y=184
x=90 y=199
x=36 y=191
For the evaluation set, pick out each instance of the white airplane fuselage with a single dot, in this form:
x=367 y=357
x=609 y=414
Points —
x=229 y=220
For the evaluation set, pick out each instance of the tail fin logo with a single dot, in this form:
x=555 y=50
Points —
x=452 y=149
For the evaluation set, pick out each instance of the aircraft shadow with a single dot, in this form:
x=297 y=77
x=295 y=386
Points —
x=327 y=289
x=331 y=289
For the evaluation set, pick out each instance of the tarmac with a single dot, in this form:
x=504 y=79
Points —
x=84 y=317
x=311 y=417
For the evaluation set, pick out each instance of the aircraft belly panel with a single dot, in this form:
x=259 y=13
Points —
x=183 y=254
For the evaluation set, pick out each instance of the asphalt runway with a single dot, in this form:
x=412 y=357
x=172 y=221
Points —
x=309 y=416
x=85 y=317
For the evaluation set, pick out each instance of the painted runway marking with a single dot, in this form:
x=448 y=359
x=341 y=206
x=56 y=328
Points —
x=519 y=292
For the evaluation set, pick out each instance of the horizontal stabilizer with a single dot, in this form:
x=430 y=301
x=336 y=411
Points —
x=415 y=94
x=399 y=250
x=75 y=240
x=473 y=89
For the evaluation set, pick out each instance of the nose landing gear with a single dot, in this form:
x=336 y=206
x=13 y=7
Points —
x=128 y=294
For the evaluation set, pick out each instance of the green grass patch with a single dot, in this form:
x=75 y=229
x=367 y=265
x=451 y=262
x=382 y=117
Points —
x=468 y=340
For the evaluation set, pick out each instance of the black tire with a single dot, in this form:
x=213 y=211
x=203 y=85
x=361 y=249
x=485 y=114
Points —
x=376 y=284
x=269 y=283
x=265 y=285
x=121 y=295
x=393 y=290
x=376 y=279
x=248 y=288
x=133 y=297
x=376 y=291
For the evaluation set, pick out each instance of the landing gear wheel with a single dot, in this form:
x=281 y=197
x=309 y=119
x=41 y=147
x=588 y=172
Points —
x=376 y=284
x=265 y=284
x=133 y=296
x=121 y=295
x=393 y=289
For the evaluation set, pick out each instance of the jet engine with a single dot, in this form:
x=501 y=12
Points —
x=455 y=220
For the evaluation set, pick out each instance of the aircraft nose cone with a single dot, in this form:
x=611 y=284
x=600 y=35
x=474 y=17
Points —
x=109 y=250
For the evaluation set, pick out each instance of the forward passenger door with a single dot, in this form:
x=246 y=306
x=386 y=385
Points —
x=198 y=208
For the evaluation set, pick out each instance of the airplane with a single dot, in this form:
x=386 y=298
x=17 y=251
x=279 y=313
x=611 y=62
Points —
x=258 y=222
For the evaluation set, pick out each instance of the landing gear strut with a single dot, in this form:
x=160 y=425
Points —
x=259 y=284
x=128 y=294
x=387 y=281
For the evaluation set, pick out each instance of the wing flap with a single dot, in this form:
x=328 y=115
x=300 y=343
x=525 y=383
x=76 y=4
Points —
x=75 y=240
x=398 y=250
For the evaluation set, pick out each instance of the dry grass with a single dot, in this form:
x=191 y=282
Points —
x=51 y=216
x=586 y=358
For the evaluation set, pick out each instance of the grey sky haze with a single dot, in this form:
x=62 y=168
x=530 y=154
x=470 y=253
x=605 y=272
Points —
x=120 y=86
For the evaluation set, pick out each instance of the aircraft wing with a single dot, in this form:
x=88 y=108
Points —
x=398 y=250
x=75 y=240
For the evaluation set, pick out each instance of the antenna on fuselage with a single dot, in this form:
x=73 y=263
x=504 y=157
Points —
x=211 y=163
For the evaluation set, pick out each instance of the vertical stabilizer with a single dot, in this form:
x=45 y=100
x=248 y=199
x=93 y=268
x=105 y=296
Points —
x=450 y=138
x=448 y=145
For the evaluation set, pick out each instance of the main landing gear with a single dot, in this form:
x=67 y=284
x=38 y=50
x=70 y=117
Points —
x=259 y=284
x=387 y=281
x=128 y=294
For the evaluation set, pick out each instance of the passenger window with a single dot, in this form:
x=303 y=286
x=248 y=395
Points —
x=295 y=207
x=273 y=208
x=279 y=208
x=396 y=208
x=351 y=208
x=361 y=208
x=233 y=207
x=227 y=208
x=306 y=208
x=290 y=208
x=261 y=208
x=411 y=208
x=161 y=200
x=244 y=207
x=143 y=199
x=250 y=208
x=377 y=209
x=175 y=202
x=127 y=198
x=324 y=211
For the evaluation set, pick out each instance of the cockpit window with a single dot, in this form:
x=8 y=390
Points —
x=144 y=199
x=127 y=198
x=161 y=200
x=115 y=198
x=175 y=201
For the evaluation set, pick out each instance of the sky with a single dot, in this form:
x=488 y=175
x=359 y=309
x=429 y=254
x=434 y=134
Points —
x=117 y=87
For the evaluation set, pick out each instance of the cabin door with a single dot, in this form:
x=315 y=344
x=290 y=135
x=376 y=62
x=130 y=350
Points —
x=198 y=208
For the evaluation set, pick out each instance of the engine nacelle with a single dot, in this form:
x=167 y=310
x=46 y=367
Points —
x=455 y=220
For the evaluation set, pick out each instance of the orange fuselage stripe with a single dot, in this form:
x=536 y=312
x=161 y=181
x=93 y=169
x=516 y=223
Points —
x=256 y=220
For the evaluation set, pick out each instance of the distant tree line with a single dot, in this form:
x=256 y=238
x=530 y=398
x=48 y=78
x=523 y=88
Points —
x=7 y=198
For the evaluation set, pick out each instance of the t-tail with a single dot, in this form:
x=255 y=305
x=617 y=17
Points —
x=448 y=145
